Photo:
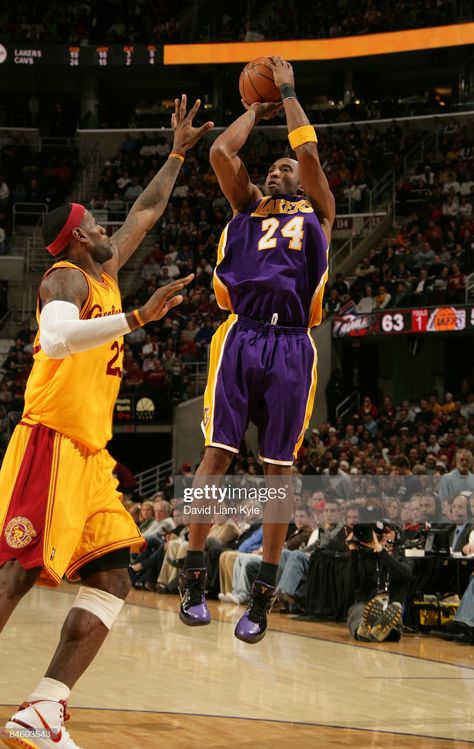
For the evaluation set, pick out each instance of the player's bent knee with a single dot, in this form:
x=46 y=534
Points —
x=116 y=582
x=105 y=606
x=109 y=572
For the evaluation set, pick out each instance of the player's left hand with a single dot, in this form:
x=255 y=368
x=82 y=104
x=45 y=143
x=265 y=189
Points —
x=185 y=135
x=282 y=71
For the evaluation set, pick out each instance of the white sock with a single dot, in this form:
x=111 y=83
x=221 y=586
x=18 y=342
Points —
x=50 y=689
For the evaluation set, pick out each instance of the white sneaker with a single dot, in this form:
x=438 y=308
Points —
x=38 y=725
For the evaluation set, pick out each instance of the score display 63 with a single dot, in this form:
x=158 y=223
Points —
x=393 y=322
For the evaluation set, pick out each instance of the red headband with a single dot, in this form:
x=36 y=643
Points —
x=64 y=237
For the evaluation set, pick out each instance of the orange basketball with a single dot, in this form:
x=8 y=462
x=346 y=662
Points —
x=256 y=82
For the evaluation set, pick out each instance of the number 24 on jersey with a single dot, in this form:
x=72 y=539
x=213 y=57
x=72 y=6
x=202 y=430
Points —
x=292 y=230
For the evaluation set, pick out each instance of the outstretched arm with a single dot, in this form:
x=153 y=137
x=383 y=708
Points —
x=63 y=333
x=150 y=205
x=313 y=179
x=230 y=170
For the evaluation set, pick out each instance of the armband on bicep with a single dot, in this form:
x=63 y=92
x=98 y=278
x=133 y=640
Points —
x=62 y=333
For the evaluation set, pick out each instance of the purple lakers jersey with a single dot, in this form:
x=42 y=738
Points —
x=272 y=258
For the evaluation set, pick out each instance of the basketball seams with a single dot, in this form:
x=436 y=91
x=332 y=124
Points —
x=249 y=80
x=259 y=72
x=256 y=82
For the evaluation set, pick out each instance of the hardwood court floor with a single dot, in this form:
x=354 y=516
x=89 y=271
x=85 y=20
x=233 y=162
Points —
x=157 y=683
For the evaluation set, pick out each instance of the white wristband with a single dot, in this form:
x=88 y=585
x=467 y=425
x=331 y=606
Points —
x=62 y=332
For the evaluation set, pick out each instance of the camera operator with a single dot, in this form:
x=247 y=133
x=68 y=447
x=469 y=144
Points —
x=379 y=577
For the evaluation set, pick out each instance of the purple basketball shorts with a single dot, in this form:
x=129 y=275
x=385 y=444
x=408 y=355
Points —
x=265 y=374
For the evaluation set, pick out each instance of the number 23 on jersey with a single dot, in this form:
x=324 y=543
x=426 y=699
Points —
x=111 y=369
x=292 y=230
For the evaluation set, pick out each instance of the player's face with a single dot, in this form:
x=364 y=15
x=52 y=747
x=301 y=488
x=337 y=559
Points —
x=100 y=246
x=283 y=177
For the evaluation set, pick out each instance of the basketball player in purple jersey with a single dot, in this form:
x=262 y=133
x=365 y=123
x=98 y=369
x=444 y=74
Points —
x=272 y=266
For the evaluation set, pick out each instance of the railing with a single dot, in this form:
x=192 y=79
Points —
x=380 y=190
x=58 y=142
x=345 y=250
x=25 y=294
x=196 y=373
x=36 y=257
x=110 y=218
x=348 y=405
x=469 y=287
x=93 y=162
x=6 y=319
x=419 y=149
x=9 y=325
x=151 y=480
x=282 y=130
x=35 y=212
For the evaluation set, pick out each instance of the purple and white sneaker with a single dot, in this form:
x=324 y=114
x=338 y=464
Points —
x=193 y=609
x=252 y=626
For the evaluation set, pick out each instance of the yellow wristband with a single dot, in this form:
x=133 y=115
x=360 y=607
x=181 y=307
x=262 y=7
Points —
x=302 y=135
x=137 y=317
x=176 y=155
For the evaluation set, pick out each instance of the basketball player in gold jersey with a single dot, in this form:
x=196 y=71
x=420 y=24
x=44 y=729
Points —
x=60 y=512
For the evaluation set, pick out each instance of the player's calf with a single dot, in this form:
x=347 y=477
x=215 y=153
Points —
x=15 y=582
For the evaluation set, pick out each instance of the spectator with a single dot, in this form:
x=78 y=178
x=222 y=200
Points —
x=133 y=190
x=374 y=566
x=241 y=584
x=367 y=303
x=460 y=478
x=460 y=514
x=333 y=304
x=382 y=299
x=173 y=270
x=430 y=508
x=4 y=194
x=461 y=628
x=147 y=516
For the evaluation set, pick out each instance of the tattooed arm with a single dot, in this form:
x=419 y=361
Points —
x=152 y=202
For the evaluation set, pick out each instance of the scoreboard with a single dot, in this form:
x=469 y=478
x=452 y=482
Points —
x=443 y=319
x=77 y=56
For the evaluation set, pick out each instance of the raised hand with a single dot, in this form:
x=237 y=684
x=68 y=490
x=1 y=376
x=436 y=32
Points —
x=164 y=299
x=185 y=135
x=263 y=110
x=282 y=71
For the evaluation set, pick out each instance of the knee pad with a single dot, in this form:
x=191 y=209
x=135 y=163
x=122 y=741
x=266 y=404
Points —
x=104 y=605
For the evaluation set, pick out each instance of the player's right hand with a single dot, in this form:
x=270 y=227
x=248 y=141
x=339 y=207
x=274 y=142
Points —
x=185 y=135
x=263 y=110
x=282 y=71
x=164 y=299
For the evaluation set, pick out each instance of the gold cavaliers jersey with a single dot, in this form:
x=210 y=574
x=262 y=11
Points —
x=76 y=395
